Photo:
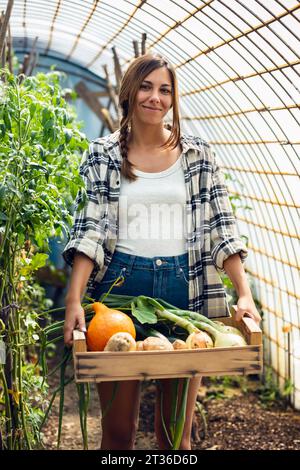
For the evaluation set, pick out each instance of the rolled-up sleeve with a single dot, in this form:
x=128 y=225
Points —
x=224 y=236
x=88 y=230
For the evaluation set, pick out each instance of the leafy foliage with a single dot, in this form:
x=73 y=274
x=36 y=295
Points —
x=40 y=149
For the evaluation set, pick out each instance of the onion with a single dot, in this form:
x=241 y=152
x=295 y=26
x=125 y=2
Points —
x=223 y=340
x=197 y=340
x=229 y=329
x=179 y=344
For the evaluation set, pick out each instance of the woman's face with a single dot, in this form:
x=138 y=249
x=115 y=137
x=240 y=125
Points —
x=154 y=98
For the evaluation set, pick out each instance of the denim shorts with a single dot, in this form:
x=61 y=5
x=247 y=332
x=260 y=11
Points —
x=164 y=277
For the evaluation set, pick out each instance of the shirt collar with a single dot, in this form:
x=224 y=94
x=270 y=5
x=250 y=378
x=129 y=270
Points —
x=187 y=142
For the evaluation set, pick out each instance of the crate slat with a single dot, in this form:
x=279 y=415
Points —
x=144 y=365
x=79 y=342
x=167 y=364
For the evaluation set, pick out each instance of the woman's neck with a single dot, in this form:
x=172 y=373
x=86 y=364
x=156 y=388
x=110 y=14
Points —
x=145 y=139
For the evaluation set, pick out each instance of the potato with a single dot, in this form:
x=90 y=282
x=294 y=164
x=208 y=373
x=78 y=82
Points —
x=120 y=342
x=139 y=346
x=152 y=343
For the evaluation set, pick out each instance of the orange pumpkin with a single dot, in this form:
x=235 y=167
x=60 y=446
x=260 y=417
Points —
x=105 y=323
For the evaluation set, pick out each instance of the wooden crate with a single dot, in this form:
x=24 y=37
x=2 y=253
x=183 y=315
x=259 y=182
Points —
x=143 y=365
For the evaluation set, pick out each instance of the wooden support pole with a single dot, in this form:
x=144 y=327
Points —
x=4 y=25
x=136 y=48
x=118 y=70
x=32 y=58
x=99 y=94
x=143 y=45
x=3 y=54
x=25 y=64
x=111 y=92
x=95 y=105
x=9 y=51
x=2 y=57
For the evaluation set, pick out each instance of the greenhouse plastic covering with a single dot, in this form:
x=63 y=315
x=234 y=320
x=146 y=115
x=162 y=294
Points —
x=238 y=65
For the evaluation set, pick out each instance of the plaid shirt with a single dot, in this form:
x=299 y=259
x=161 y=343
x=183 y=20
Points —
x=211 y=235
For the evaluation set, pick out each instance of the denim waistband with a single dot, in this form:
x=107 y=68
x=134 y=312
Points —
x=155 y=263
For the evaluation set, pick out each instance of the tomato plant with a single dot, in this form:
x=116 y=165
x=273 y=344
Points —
x=40 y=147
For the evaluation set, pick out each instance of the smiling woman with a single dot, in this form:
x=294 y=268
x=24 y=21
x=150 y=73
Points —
x=147 y=175
x=154 y=98
x=149 y=90
x=147 y=85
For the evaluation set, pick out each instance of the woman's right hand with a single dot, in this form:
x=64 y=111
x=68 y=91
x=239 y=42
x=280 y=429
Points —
x=74 y=318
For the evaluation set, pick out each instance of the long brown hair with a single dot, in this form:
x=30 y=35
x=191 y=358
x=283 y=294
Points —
x=136 y=72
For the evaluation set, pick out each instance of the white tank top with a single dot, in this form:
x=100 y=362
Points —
x=152 y=210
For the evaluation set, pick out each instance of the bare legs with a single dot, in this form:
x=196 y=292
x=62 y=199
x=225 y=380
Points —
x=167 y=394
x=120 y=424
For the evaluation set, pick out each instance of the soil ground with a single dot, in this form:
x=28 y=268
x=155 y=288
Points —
x=230 y=417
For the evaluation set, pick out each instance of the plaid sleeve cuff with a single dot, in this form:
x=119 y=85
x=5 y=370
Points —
x=86 y=246
x=226 y=248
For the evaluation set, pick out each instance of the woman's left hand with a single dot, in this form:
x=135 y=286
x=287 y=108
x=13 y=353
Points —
x=246 y=307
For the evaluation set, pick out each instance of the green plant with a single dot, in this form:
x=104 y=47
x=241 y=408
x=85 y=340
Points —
x=231 y=294
x=269 y=392
x=40 y=146
x=236 y=198
x=203 y=414
x=221 y=387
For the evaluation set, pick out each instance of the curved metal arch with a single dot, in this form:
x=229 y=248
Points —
x=260 y=211
x=262 y=215
x=269 y=126
x=229 y=116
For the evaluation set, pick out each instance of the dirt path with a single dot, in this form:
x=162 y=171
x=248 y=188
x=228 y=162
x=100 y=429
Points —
x=233 y=423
